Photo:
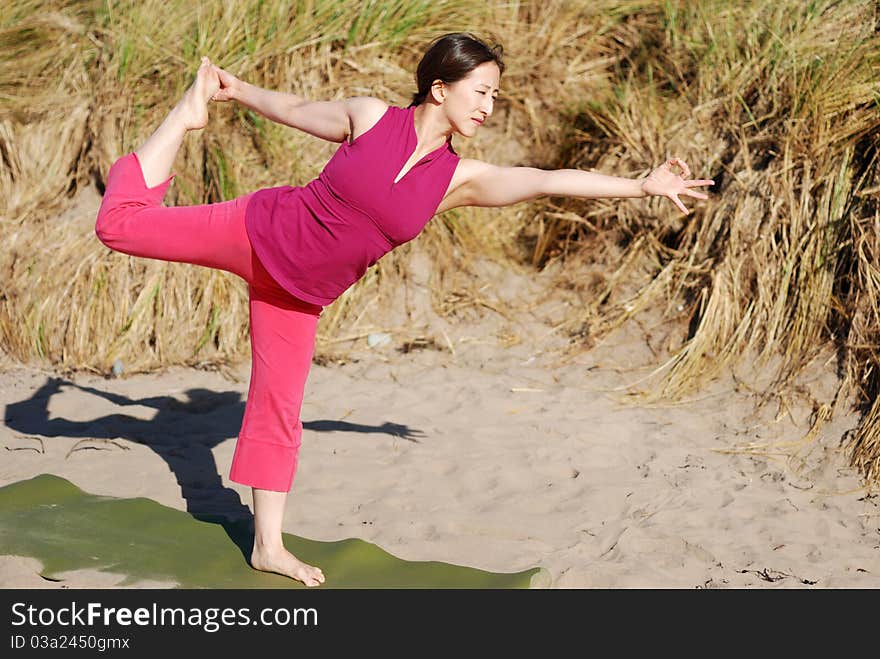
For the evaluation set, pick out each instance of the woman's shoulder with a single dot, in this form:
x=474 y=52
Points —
x=366 y=105
x=364 y=112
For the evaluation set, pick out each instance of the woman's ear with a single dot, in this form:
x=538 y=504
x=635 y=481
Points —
x=438 y=90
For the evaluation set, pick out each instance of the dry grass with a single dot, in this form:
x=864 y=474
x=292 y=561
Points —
x=778 y=102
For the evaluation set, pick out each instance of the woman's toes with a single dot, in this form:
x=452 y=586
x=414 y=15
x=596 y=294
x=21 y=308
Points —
x=314 y=576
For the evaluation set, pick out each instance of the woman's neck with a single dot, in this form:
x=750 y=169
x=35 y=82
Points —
x=432 y=127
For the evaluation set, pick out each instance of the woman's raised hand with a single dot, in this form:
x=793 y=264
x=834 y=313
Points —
x=662 y=181
x=228 y=85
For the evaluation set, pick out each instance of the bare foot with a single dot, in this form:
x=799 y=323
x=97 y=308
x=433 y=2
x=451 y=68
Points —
x=193 y=107
x=281 y=561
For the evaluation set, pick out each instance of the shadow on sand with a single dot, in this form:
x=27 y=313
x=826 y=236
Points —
x=189 y=457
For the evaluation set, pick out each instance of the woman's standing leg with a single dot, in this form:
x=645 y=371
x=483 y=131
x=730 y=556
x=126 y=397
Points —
x=266 y=456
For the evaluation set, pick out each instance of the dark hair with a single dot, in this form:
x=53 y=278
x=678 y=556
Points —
x=450 y=58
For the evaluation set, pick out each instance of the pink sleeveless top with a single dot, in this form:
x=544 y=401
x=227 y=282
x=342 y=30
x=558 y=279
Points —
x=319 y=239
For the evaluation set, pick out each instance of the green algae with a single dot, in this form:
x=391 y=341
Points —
x=52 y=520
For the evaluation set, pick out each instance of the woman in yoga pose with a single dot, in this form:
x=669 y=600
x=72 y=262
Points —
x=299 y=248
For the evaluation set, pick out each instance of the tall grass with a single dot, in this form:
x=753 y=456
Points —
x=778 y=102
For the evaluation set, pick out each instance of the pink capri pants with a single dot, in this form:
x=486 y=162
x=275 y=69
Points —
x=132 y=220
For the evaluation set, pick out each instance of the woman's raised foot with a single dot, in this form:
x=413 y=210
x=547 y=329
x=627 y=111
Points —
x=193 y=107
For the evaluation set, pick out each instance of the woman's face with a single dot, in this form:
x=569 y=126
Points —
x=469 y=102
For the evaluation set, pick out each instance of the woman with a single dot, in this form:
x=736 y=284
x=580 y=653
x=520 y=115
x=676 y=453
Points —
x=299 y=248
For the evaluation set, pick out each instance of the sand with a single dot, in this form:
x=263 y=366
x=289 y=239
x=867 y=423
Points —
x=483 y=451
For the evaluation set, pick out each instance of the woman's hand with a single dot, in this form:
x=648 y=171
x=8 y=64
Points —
x=663 y=182
x=229 y=85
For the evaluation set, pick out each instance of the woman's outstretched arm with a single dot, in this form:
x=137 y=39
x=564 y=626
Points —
x=484 y=184
x=329 y=120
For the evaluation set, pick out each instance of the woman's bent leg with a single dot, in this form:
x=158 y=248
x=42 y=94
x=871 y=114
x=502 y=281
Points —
x=266 y=455
x=132 y=220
